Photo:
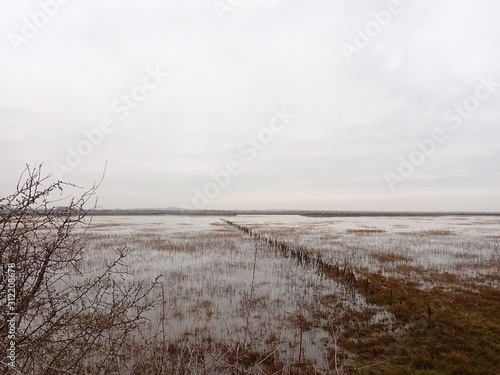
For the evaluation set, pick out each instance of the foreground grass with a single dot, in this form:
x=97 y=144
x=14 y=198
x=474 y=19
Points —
x=447 y=331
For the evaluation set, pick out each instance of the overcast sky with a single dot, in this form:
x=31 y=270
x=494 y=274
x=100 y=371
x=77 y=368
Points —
x=339 y=95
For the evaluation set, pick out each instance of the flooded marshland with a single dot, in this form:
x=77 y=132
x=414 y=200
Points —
x=229 y=302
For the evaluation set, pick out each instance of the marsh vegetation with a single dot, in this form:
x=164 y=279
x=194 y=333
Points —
x=243 y=294
x=393 y=295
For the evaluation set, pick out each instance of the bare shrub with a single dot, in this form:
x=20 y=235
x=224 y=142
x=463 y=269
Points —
x=68 y=319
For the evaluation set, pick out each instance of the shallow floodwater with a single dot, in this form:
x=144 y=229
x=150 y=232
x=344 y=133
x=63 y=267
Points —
x=220 y=286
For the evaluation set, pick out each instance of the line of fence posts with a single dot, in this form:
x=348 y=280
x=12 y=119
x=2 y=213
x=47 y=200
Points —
x=304 y=257
x=331 y=269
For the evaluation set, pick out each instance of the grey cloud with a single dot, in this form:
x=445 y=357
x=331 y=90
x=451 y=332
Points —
x=353 y=119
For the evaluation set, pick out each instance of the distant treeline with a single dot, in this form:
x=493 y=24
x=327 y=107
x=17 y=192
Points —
x=287 y=212
x=128 y=212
